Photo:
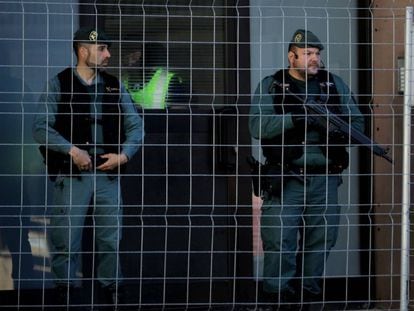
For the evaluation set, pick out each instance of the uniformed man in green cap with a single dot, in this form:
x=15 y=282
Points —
x=300 y=218
x=88 y=128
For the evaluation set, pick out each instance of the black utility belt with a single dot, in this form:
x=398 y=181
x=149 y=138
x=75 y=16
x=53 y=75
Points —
x=97 y=160
x=315 y=170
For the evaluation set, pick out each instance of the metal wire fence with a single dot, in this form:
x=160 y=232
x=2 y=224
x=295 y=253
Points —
x=190 y=233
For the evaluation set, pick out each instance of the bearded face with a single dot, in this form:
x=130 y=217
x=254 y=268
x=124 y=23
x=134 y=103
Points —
x=95 y=56
x=305 y=61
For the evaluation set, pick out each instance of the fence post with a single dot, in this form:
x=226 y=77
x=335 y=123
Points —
x=406 y=185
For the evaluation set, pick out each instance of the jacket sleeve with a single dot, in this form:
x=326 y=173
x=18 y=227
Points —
x=349 y=106
x=263 y=120
x=44 y=121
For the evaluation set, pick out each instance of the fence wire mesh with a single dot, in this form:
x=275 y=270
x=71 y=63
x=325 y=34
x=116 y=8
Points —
x=179 y=227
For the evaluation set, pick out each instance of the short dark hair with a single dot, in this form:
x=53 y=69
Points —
x=76 y=46
x=292 y=48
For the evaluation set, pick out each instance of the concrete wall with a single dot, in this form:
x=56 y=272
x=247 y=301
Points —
x=35 y=43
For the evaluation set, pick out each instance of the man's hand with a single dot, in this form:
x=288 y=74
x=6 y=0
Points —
x=81 y=158
x=301 y=116
x=113 y=160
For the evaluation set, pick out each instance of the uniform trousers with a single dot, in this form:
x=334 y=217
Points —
x=303 y=221
x=72 y=198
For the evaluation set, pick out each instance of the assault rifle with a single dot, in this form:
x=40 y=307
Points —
x=334 y=124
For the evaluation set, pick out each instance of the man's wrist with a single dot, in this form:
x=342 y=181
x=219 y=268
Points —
x=123 y=158
x=73 y=151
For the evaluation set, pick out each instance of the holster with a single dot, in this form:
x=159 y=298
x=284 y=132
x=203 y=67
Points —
x=56 y=163
x=266 y=178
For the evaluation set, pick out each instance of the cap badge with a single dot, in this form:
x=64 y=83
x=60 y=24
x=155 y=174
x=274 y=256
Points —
x=298 y=38
x=93 y=36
